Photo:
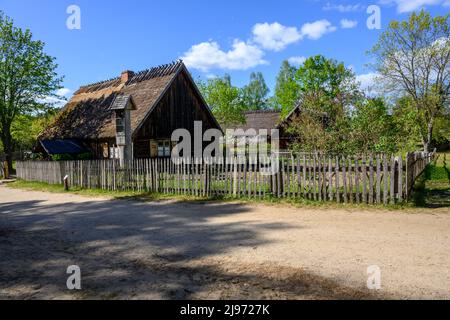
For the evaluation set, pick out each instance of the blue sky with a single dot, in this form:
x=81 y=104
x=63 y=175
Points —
x=213 y=37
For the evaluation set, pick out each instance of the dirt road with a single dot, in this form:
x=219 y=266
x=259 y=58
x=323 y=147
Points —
x=172 y=250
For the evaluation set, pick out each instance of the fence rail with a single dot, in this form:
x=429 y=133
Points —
x=373 y=179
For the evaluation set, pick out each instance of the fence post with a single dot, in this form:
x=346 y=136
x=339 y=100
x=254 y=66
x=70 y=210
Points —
x=400 y=178
x=5 y=170
x=407 y=173
x=393 y=180
x=235 y=178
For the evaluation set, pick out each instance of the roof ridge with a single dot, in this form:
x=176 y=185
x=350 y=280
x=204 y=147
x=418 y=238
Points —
x=99 y=83
x=262 y=111
x=155 y=72
x=146 y=74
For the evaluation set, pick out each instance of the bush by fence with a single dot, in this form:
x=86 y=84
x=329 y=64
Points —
x=380 y=179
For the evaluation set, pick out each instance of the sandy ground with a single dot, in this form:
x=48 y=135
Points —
x=172 y=250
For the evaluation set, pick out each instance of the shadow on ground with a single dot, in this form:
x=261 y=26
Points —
x=130 y=249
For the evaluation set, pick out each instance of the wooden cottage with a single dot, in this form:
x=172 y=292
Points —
x=272 y=119
x=263 y=120
x=159 y=101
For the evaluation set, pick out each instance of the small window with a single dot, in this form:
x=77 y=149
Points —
x=164 y=149
x=114 y=153
x=120 y=127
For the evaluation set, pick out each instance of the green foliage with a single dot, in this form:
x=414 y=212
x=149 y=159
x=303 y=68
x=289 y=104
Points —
x=327 y=93
x=433 y=186
x=69 y=157
x=224 y=100
x=413 y=59
x=35 y=157
x=84 y=156
x=62 y=157
x=287 y=91
x=373 y=128
x=441 y=133
x=315 y=131
x=26 y=128
x=334 y=85
x=255 y=93
x=406 y=119
x=27 y=77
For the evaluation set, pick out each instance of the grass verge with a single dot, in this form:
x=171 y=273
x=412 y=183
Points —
x=146 y=196
x=432 y=189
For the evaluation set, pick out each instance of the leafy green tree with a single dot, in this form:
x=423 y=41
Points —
x=27 y=76
x=441 y=133
x=224 y=100
x=413 y=59
x=313 y=131
x=327 y=93
x=308 y=129
x=333 y=84
x=256 y=92
x=373 y=128
x=26 y=128
x=287 y=91
x=406 y=119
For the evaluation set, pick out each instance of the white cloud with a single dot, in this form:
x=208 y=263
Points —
x=63 y=92
x=367 y=81
x=317 y=29
x=208 y=55
x=245 y=55
x=57 y=101
x=412 y=5
x=275 y=36
x=343 y=8
x=348 y=24
x=297 y=61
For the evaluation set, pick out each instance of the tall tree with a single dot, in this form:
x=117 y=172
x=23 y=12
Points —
x=331 y=82
x=406 y=119
x=27 y=75
x=255 y=93
x=413 y=59
x=373 y=128
x=287 y=91
x=224 y=100
x=327 y=90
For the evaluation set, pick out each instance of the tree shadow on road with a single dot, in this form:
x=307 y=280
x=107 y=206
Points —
x=130 y=249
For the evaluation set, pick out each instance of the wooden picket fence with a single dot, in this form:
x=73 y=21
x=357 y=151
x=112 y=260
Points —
x=416 y=163
x=373 y=179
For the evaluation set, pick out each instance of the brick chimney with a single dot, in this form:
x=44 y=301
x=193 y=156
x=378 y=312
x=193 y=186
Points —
x=126 y=75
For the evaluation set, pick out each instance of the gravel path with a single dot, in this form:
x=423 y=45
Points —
x=173 y=250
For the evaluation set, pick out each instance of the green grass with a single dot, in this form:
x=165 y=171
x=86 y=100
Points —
x=432 y=189
x=59 y=188
x=146 y=196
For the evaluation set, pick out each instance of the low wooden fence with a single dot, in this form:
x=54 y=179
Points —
x=416 y=164
x=374 y=179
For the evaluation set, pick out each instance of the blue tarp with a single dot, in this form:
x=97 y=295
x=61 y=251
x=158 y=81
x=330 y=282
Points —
x=66 y=146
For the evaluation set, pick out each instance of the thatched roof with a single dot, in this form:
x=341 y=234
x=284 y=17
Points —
x=88 y=115
x=261 y=119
